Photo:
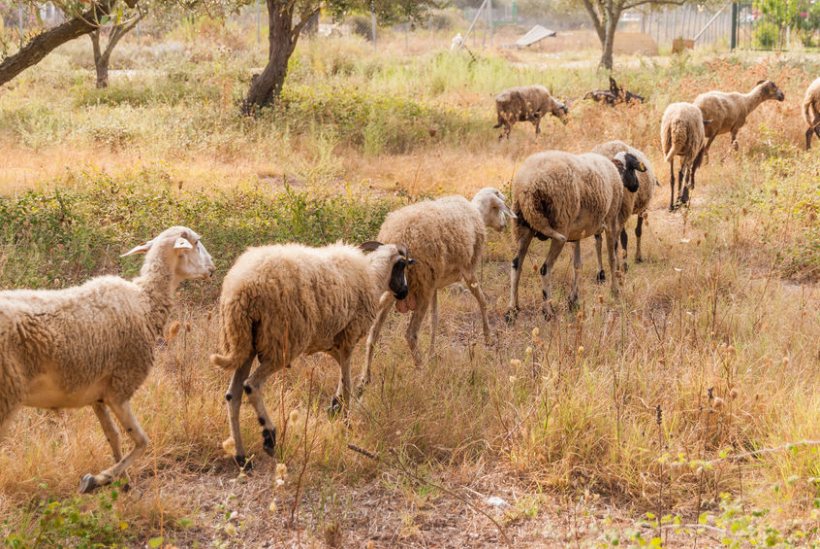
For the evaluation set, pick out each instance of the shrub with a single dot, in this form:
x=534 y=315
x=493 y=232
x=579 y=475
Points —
x=766 y=35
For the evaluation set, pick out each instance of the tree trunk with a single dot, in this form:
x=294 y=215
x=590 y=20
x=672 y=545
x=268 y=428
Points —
x=267 y=86
x=43 y=44
x=100 y=60
x=609 y=39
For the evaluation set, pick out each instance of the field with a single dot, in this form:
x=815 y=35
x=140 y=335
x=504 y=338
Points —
x=685 y=413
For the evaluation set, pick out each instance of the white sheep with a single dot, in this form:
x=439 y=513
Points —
x=93 y=345
x=682 y=134
x=446 y=238
x=811 y=110
x=633 y=203
x=280 y=302
x=567 y=197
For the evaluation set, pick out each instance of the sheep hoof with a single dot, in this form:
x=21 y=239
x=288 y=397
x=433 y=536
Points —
x=625 y=267
x=573 y=303
x=511 y=315
x=638 y=259
x=269 y=441
x=548 y=312
x=88 y=484
x=601 y=278
x=335 y=407
x=244 y=464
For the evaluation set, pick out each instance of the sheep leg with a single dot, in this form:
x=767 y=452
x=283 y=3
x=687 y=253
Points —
x=112 y=434
x=555 y=250
x=12 y=395
x=601 y=278
x=735 y=144
x=341 y=400
x=372 y=339
x=433 y=323
x=681 y=174
x=576 y=265
x=624 y=241
x=253 y=386
x=672 y=184
x=814 y=127
x=233 y=400
x=706 y=148
x=537 y=122
x=809 y=133
x=478 y=294
x=525 y=235
x=132 y=427
x=412 y=333
x=638 y=232
x=613 y=259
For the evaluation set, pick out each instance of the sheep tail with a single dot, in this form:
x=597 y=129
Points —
x=236 y=337
x=667 y=144
x=808 y=107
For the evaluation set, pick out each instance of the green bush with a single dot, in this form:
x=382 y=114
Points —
x=61 y=238
x=766 y=35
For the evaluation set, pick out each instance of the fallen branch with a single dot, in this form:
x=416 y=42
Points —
x=763 y=451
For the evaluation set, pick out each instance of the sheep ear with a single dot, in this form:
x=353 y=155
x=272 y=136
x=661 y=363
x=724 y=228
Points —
x=141 y=249
x=618 y=164
x=182 y=244
x=706 y=123
x=759 y=82
x=370 y=246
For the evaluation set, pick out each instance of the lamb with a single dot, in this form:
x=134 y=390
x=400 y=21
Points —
x=280 y=302
x=447 y=239
x=633 y=203
x=682 y=134
x=93 y=345
x=526 y=103
x=727 y=111
x=811 y=110
x=567 y=197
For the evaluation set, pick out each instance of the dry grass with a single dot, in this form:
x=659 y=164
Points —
x=718 y=329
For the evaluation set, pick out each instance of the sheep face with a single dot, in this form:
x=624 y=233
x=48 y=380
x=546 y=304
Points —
x=771 y=91
x=490 y=202
x=182 y=249
x=560 y=111
x=627 y=165
x=396 y=255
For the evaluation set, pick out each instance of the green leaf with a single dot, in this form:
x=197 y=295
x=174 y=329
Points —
x=155 y=543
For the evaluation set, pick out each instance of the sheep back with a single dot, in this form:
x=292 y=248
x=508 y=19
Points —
x=282 y=301
x=444 y=236
x=106 y=316
x=567 y=193
x=520 y=103
x=682 y=132
x=811 y=102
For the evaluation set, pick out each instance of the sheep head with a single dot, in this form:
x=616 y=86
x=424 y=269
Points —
x=770 y=90
x=491 y=204
x=627 y=165
x=181 y=249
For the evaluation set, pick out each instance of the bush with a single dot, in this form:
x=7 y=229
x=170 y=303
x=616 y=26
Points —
x=766 y=35
x=442 y=20
x=361 y=25
x=60 y=238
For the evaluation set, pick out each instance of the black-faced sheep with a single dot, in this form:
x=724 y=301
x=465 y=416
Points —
x=446 y=238
x=526 y=103
x=281 y=302
x=566 y=198
x=93 y=345
x=633 y=203
x=682 y=134
x=811 y=110
x=727 y=111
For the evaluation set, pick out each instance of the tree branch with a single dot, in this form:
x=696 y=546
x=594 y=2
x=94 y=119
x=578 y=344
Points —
x=304 y=20
x=637 y=3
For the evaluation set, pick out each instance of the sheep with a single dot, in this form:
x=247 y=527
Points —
x=683 y=134
x=283 y=301
x=446 y=237
x=811 y=110
x=526 y=103
x=636 y=203
x=567 y=197
x=727 y=111
x=93 y=345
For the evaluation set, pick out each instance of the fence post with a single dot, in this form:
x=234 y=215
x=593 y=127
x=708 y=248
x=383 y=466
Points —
x=373 y=22
x=733 y=43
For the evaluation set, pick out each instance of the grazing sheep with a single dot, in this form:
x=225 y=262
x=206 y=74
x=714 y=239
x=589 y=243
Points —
x=526 y=103
x=633 y=203
x=568 y=197
x=93 y=345
x=682 y=134
x=811 y=111
x=446 y=237
x=280 y=302
x=727 y=111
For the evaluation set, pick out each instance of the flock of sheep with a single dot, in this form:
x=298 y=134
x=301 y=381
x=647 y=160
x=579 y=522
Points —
x=93 y=345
